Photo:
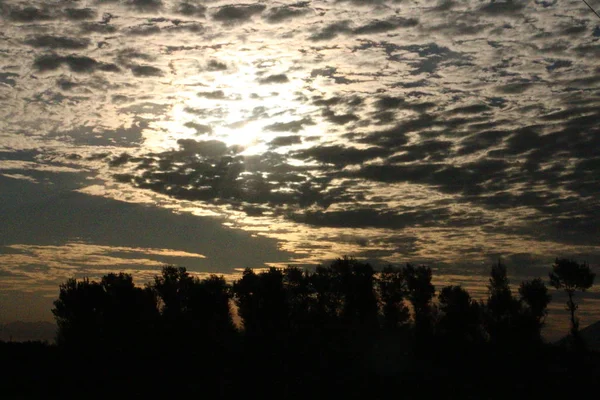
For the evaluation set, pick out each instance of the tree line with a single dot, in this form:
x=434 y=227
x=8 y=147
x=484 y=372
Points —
x=347 y=297
x=343 y=330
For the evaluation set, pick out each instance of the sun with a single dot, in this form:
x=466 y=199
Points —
x=237 y=107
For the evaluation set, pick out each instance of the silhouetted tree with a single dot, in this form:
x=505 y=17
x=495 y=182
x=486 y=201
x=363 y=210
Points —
x=246 y=296
x=78 y=312
x=571 y=277
x=129 y=311
x=111 y=312
x=502 y=308
x=420 y=294
x=300 y=298
x=262 y=302
x=209 y=308
x=460 y=320
x=356 y=284
x=534 y=295
x=392 y=291
x=273 y=301
x=329 y=298
x=173 y=288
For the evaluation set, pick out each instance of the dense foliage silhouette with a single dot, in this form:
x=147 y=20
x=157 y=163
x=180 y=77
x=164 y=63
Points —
x=344 y=330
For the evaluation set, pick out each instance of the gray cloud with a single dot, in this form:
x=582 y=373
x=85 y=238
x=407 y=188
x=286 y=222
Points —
x=340 y=155
x=30 y=14
x=292 y=126
x=145 y=5
x=514 y=88
x=78 y=14
x=331 y=31
x=371 y=218
x=282 y=141
x=146 y=70
x=282 y=13
x=200 y=129
x=79 y=64
x=58 y=42
x=215 y=65
x=502 y=7
x=277 y=78
x=8 y=78
x=238 y=13
x=331 y=72
x=191 y=9
x=380 y=26
x=214 y=95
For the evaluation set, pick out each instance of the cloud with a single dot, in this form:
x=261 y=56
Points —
x=97 y=27
x=214 y=95
x=380 y=26
x=502 y=7
x=282 y=141
x=145 y=5
x=146 y=70
x=79 y=64
x=58 y=42
x=292 y=126
x=8 y=78
x=122 y=136
x=208 y=148
x=514 y=88
x=371 y=218
x=481 y=141
x=331 y=72
x=340 y=155
x=238 y=13
x=471 y=109
x=78 y=14
x=200 y=128
x=122 y=159
x=277 y=78
x=145 y=29
x=339 y=119
x=331 y=31
x=283 y=13
x=215 y=65
x=429 y=150
x=30 y=14
x=190 y=9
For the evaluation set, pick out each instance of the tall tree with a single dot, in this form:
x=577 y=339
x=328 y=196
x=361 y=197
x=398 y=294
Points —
x=460 y=316
x=534 y=295
x=173 y=288
x=129 y=311
x=420 y=295
x=502 y=308
x=329 y=298
x=300 y=297
x=571 y=277
x=262 y=302
x=356 y=283
x=392 y=291
x=78 y=312
x=209 y=308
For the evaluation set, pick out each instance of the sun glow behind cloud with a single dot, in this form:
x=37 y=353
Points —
x=239 y=106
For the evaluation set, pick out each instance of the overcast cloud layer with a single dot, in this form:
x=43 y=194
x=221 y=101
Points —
x=452 y=132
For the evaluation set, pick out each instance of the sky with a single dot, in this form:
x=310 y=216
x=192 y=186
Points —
x=219 y=135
